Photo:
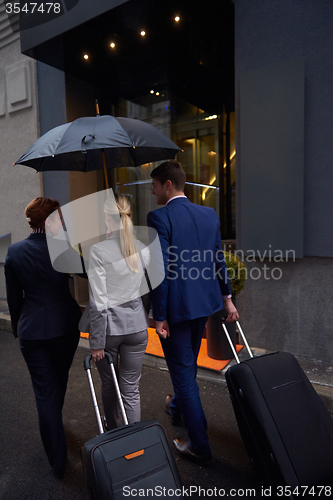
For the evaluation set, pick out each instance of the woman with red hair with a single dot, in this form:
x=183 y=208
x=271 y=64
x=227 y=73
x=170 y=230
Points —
x=45 y=319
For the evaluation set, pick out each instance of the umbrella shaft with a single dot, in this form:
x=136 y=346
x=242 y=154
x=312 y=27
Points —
x=105 y=172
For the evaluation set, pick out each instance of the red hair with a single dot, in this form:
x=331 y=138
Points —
x=39 y=209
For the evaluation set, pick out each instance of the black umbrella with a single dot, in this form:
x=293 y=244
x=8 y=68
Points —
x=91 y=143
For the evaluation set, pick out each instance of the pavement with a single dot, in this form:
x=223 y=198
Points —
x=320 y=373
x=26 y=475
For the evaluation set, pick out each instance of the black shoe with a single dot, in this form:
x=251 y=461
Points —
x=176 y=421
x=184 y=450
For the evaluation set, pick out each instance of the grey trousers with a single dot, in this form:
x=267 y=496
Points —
x=127 y=352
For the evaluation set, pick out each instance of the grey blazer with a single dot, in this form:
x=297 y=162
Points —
x=115 y=305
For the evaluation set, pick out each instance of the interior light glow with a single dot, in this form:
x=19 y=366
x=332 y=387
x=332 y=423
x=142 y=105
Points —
x=137 y=182
x=149 y=182
x=157 y=93
x=211 y=117
x=86 y=57
x=112 y=45
x=201 y=185
x=143 y=33
x=232 y=156
x=152 y=92
x=209 y=187
x=177 y=19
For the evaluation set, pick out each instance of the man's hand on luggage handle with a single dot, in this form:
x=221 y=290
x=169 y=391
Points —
x=162 y=329
x=231 y=310
x=97 y=354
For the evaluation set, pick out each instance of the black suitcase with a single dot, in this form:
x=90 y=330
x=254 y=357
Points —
x=285 y=427
x=128 y=461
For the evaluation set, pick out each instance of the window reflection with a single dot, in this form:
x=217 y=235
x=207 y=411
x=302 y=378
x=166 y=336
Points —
x=205 y=138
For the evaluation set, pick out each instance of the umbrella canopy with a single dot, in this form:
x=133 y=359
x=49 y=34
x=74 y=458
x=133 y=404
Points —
x=81 y=145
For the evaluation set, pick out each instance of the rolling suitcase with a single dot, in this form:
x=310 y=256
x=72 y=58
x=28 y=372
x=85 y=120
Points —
x=285 y=427
x=128 y=461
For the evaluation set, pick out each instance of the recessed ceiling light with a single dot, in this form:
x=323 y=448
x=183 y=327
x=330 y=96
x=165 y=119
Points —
x=157 y=93
x=177 y=19
x=112 y=45
x=143 y=33
x=85 y=56
x=151 y=91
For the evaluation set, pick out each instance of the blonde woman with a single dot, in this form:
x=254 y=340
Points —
x=118 y=321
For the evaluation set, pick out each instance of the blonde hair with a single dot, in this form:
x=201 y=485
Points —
x=119 y=204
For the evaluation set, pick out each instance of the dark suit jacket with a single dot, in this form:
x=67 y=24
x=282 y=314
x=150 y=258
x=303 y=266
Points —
x=195 y=271
x=39 y=300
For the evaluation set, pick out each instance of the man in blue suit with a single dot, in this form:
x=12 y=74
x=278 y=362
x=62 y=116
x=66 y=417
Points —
x=196 y=285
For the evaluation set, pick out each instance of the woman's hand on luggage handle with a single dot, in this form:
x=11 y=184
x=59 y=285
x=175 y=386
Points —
x=162 y=329
x=231 y=310
x=97 y=354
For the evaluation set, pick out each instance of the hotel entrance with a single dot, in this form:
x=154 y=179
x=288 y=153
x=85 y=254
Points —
x=205 y=141
x=168 y=63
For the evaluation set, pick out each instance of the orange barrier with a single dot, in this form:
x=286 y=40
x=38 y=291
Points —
x=204 y=361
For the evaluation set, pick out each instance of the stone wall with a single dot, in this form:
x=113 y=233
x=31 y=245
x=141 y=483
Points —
x=287 y=306
x=293 y=313
x=18 y=130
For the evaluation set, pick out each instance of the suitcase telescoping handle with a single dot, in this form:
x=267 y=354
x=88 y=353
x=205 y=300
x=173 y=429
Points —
x=86 y=364
x=230 y=341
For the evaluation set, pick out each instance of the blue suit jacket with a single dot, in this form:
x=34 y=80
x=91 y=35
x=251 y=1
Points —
x=39 y=300
x=196 y=276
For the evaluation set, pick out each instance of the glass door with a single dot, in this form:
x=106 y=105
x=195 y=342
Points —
x=200 y=162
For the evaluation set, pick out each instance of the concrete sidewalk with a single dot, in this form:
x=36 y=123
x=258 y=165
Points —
x=26 y=475
x=319 y=373
x=24 y=470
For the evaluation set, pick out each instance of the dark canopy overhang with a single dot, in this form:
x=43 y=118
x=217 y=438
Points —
x=194 y=56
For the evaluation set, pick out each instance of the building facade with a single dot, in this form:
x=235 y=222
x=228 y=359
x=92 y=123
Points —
x=244 y=88
x=19 y=128
x=283 y=82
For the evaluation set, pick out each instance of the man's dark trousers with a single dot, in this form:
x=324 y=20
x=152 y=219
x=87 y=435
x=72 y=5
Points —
x=181 y=351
